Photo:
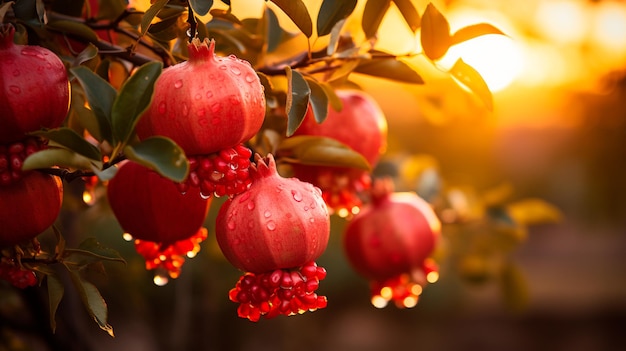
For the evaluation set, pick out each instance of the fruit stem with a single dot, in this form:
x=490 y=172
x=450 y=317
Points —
x=193 y=25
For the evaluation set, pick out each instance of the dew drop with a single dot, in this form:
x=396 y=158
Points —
x=235 y=70
x=202 y=121
x=250 y=78
x=209 y=94
x=251 y=205
x=197 y=97
x=216 y=107
x=178 y=84
x=237 y=241
x=296 y=195
x=244 y=197
x=271 y=225
x=234 y=100
x=223 y=67
x=306 y=208
x=215 y=121
x=15 y=89
x=267 y=214
x=185 y=110
x=162 y=107
x=201 y=113
x=204 y=196
x=231 y=225
x=312 y=220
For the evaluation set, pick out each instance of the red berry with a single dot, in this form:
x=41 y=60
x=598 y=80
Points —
x=274 y=231
x=19 y=277
x=390 y=241
x=12 y=158
x=207 y=103
x=361 y=125
x=34 y=89
x=28 y=207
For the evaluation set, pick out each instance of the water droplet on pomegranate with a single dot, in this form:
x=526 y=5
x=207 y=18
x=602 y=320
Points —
x=235 y=70
x=251 y=205
x=271 y=225
x=223 y=67
x=203 y=121
x=234 y=100
x=312 y=220
x=250 y=224
x=201 y=113
x=162 y=107
x=279 y=188
x=15 y=89
x=198 y=96
x=250 y=78
x=306 y=208
x=296 y=195
x=209 y=94
x=237 y=241
x=185 y=109
x=215 y=121
x=216 y=107
x=267 y=214
x=178 y=84
x=231 y=225
x=204 y=196
x=16 y=73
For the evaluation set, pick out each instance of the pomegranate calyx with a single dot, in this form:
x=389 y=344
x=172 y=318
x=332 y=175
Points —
x=202 y=50
x=264 y=167
x=7 y=32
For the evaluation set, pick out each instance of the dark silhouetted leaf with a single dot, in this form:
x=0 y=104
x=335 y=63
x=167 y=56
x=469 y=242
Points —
x=78 y=29
x=93 y=301
x=59 y=157
x=389 y=68
x=100 y=96
x=410 y=14
x=435 y=34
x=88 y=57
x=335 y=36
x=373 y=14
x=473 y=31
x=468 y=77
x=4 y=8
x=134 y=98
x=225 y=15
x=275 y=33
x=162 y=155
x=297 y=100
x=90 y=251
x=55 y=294
x=201 y=7
x=319 y=100
x=297 y=11
x=70 y=139
x=85 y=117
x=331 y=12
x=322 y=151
x=150 y=14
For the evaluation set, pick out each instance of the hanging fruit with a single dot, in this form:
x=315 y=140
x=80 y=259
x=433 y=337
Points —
x=367 y=135
x=209 y=105
x=34 y=89
x=390 y=243
x=274 y=231
x=165 y=224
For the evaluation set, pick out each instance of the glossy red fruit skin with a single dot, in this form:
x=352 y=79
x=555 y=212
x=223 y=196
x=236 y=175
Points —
x=392 y=236
x=360 y=124
x=34 y=88
x=29 y=207
x=278 y=223
x=150 y=207
x=207 y=103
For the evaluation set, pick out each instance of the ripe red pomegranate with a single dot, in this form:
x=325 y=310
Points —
x=207 y=103
x=362 y=126
x=274 y=231
x=28 y=207
x=165 y=223
x=34 y=89
x=390 y=241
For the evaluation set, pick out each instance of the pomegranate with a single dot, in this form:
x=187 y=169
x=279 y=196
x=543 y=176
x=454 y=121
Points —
x=390 y=241
x=207 y=103
x=274 y=231
x=12 y=158
x=34 y=89
x=165 y=223
x=362 y=126
x=28 y=207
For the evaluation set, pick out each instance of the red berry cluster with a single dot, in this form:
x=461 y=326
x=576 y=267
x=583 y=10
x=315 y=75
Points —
x=12 y=158
x=171 y=257
x=341 y=189
x=283 y=291
x=222 y=173
x=16 y=275
x=403 y=289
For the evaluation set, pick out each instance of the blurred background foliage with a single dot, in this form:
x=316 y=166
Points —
x=556 y=133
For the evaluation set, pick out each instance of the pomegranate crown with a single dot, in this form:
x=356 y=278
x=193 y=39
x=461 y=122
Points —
x=264 y=167
x=7 y=31
x=202 y=48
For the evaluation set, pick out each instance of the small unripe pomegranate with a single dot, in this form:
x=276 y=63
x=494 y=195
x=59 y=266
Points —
x=390 y=241
x=275 y=231
x=207 y=103
x=362 y=126
x=165 y=223
x=34 y=89
x=29 y=207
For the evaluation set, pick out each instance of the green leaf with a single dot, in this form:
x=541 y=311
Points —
x=61 y=157
x=225 y=15
x=435 y=34
x=533 y=211
x=473 y=31
x=410 y=14
x=100 y=95
x=92 y=300
x=297 y=11
x=468 y=77
x=275 y=33
x=88 y=55
x=331 y=12
x=319 y=100
x=55 y=294
x=298 y=93
x=85 y=116
x=322 y=151
x=162 y=155
x=201 y=7
x=514 y=288
x=373 y=14
x=90 y=251
x=150 y=14
x=71 y=140
x=78 y=29
x=389 y=68
x=334 y=100
x=4 y=8
x=134 y=98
